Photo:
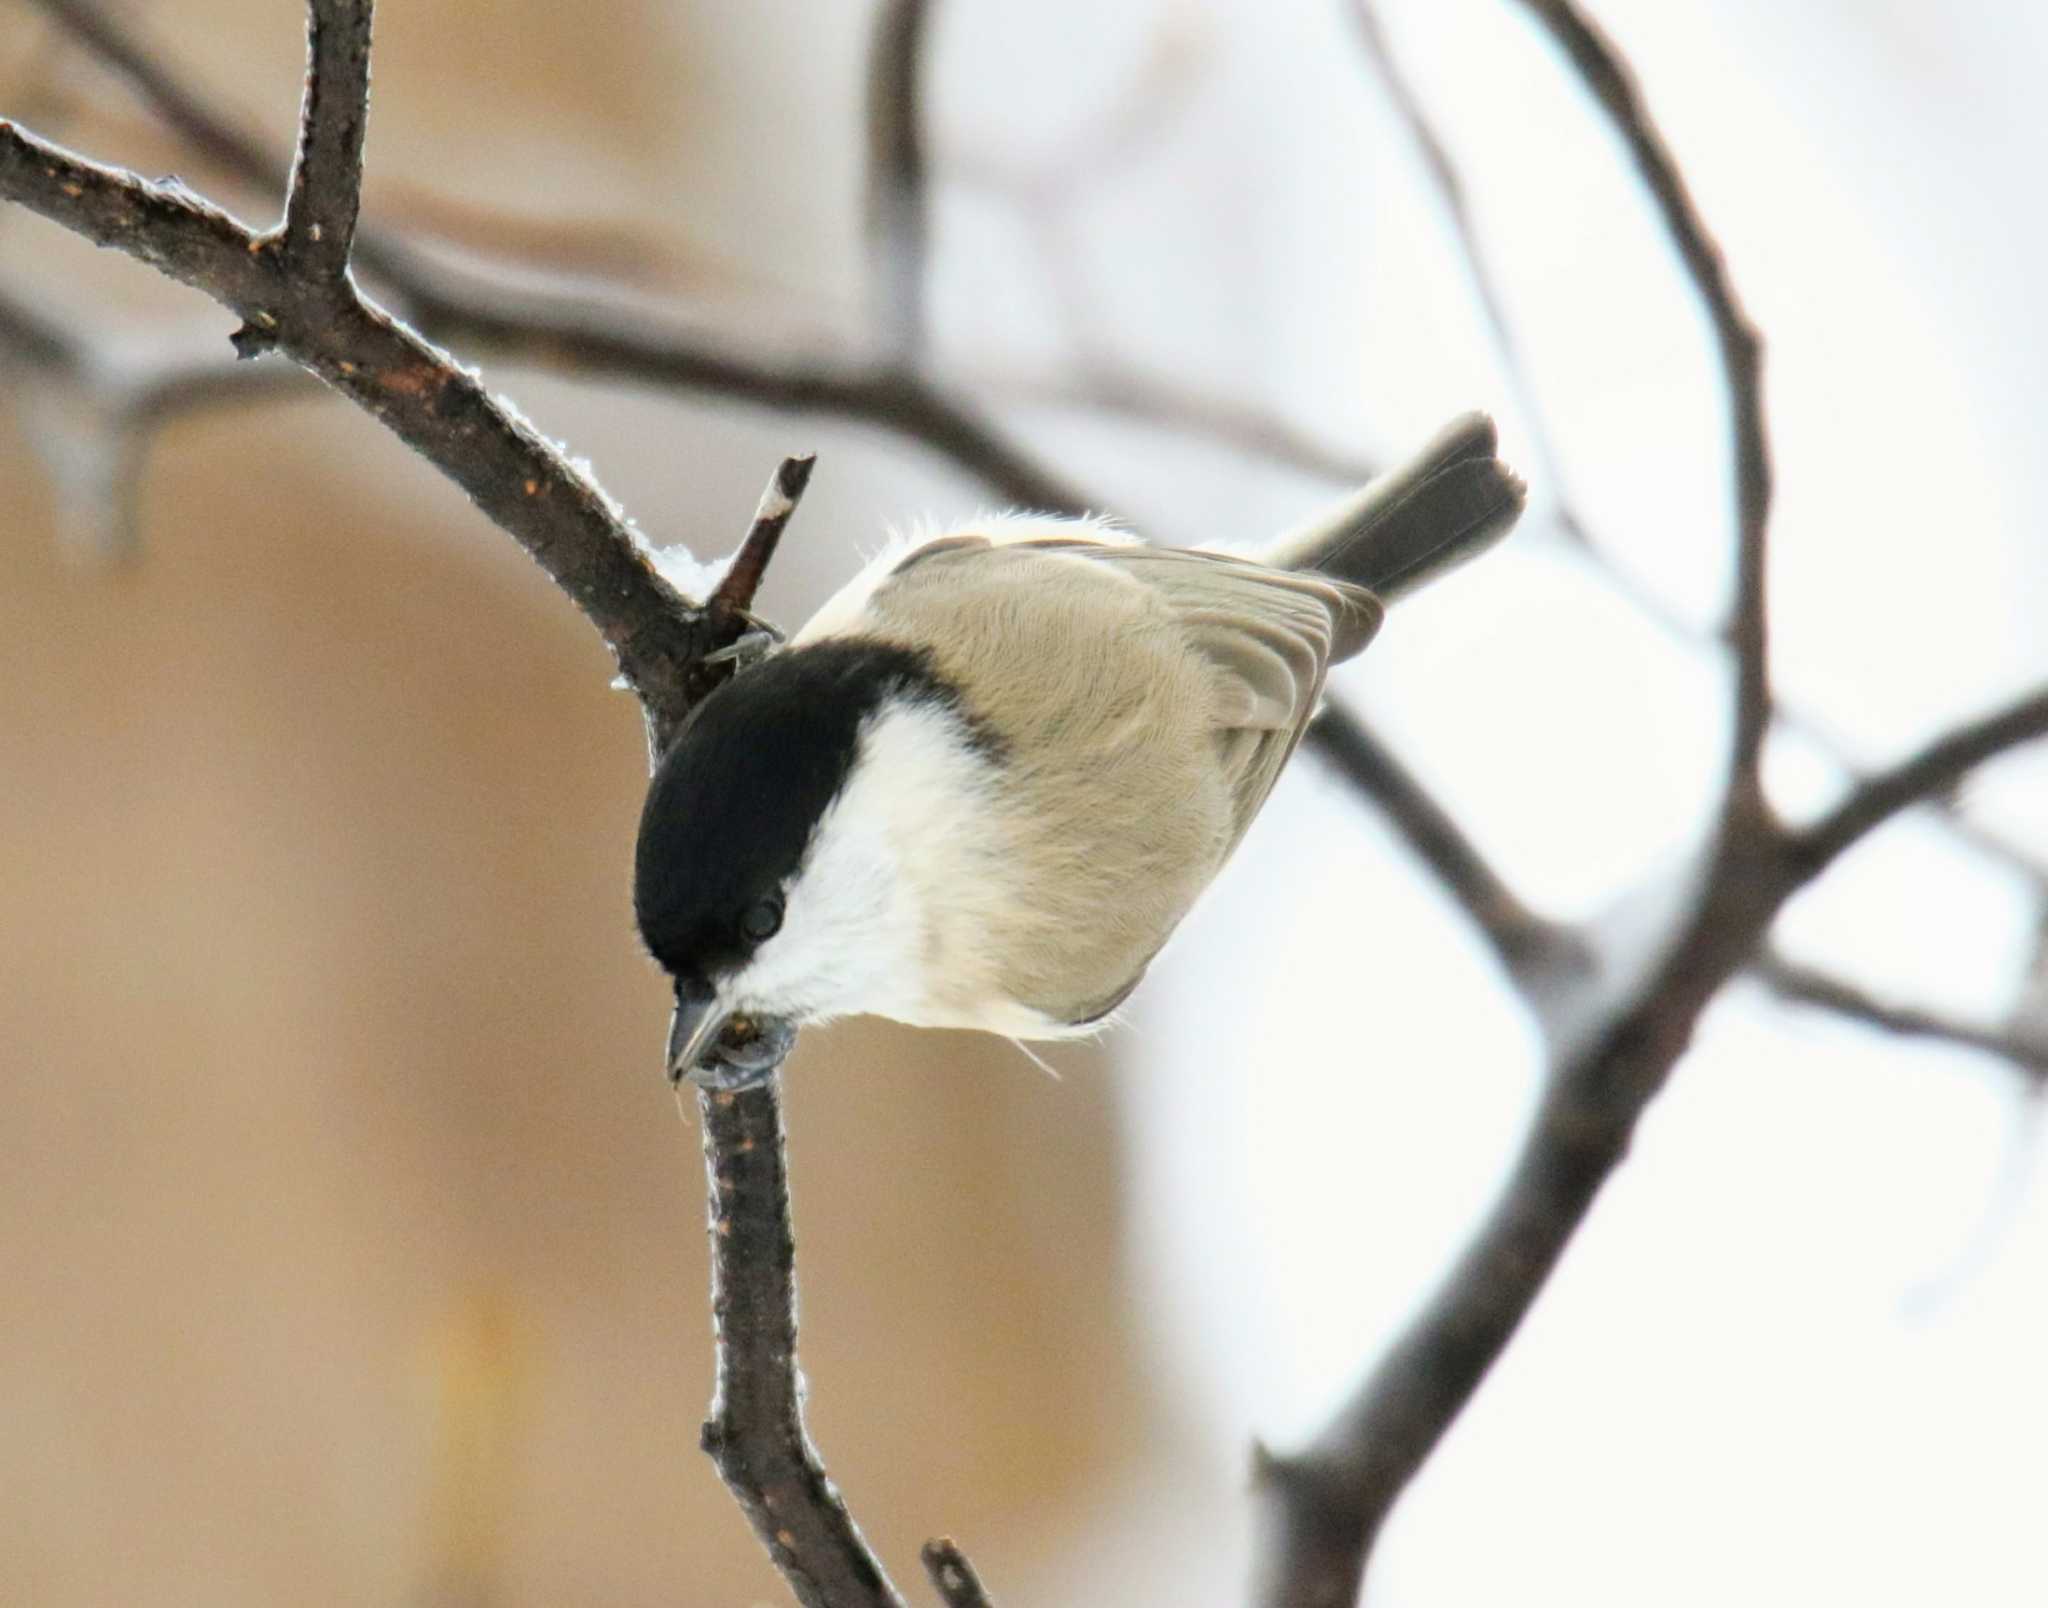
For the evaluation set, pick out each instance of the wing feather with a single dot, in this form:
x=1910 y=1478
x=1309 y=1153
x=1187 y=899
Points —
x=1269 y=637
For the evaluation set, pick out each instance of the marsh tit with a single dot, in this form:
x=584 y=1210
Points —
x=983 y=785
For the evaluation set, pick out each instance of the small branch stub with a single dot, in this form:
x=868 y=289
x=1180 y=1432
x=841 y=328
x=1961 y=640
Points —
x=735 y=594
x=731 y=632
x=953 y=1577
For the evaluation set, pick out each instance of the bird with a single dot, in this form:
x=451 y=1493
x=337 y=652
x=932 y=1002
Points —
x=984 y=783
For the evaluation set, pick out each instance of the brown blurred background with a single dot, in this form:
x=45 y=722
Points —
x=353 y=1246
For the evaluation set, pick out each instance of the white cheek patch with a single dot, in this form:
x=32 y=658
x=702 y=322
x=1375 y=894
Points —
x=854 y=932
x=847 y=927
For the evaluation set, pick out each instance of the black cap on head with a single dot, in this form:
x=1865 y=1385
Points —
x=735 y=799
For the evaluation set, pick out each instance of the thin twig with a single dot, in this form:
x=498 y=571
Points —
x=1528 y=947
x=92 y=416
x=438 y=408
x=898 y=206
x=735 y=593
x=214 y=137
x=756 y=1433
x=1923 y=778
x=551 y=330
x=1806 y=985
x=560 y=332
x=1325 y=1506
x=1608 y=79
x=953 y=1576
x=727 y=612
x=1111 y=389
x=1443 y=173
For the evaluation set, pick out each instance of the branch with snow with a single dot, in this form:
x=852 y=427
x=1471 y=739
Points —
x=292 y=289
x=521 y=481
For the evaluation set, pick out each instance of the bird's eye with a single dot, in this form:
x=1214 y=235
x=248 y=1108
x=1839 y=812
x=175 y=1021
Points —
x=763 y=919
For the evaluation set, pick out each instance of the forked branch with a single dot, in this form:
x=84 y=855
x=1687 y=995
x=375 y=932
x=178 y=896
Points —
x=1616 y=1029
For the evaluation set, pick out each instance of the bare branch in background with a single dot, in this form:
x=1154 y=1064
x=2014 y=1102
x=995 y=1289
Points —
x=519 y=480
x=1443 y=173
x=563 y=333
x=1531 y=949
x=1616 y=1031
x=1805 y=985
x=1928 y=775
x=182 y=108
x=728 y=611
x=592 y=340
x=556 y=331
x=92 y=416
x=899 y=207
x=1108 y=389
x=1611 y=83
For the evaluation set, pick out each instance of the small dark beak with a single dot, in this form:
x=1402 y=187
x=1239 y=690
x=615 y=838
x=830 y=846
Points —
x=724 y=1051
x=696 y=1023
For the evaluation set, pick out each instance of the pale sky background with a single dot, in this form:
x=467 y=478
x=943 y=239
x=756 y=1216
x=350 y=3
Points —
x=1795 y=1358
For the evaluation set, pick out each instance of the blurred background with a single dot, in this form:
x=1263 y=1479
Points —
x=350 y=1247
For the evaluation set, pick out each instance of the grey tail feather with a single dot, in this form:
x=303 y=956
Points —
x=1448 y=503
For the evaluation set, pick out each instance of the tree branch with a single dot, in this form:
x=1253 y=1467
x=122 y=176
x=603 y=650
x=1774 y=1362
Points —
x=755 y=1433
x=1922 y=779
x=728 y=611
x=90 y=420
x=439 y=409
x=182 y=107
x=1530 y=949
x=735 y=594
x=1805 y=985
x=1443 y=174
x=327 y=176
x=164 y=225
x=1614 y=1043
x=1609 y=80
x=293 y=288
x=898 y=209
x=953 y=1576
x=574 y=336
x=1616 y=1034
